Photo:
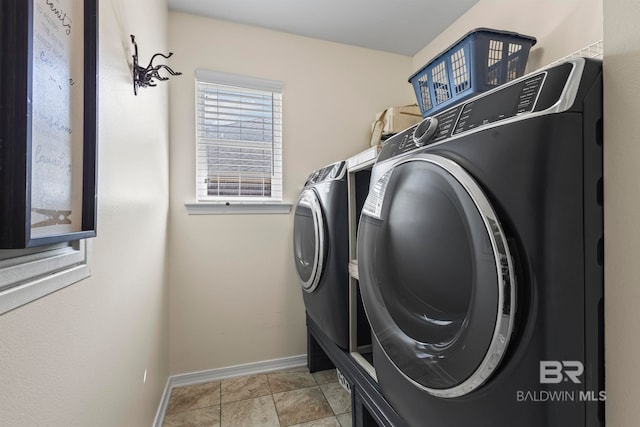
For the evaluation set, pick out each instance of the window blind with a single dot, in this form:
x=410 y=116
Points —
x=238 y=138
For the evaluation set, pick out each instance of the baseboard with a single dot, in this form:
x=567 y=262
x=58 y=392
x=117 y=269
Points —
x=164 y=401
x=181 y=380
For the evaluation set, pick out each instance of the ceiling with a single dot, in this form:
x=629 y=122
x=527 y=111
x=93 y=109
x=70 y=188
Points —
x=397 y=26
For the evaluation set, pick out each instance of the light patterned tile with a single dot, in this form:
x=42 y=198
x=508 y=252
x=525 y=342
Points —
x=244 y=388
x=338 y=398
x=290 y=380
x=345 y=419
x=323 y=377
x=324 y=422
x=205 y=417
x=194 y=397
x=300 y=406
x=260 y=411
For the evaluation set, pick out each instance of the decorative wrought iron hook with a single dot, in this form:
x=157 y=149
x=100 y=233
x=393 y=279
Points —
x=144 y=76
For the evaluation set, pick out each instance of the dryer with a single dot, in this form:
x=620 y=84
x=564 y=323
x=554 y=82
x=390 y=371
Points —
x=321 y=251
x=480 y=253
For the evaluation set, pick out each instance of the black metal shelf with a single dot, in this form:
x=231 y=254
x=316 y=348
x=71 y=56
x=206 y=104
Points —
x=369 y=407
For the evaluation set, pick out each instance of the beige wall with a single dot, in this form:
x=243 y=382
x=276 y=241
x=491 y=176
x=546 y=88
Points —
x=560 y=26
x=234 y=294
x=622 y=210
x=77 y=357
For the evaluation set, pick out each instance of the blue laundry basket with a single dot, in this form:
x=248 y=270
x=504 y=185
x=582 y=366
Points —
x=481 y=60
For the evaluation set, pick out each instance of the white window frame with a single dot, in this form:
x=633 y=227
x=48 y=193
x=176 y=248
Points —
x=29 y=274
x=249 y=205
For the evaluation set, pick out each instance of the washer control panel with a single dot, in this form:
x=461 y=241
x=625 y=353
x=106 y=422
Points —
x=425 y=130
x=513 y=100
x=525 y=95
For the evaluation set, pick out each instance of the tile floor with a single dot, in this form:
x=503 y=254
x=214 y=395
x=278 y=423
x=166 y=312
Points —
x=292 y=397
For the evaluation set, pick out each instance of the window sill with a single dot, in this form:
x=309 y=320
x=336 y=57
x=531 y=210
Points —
x=27 y=278
x=237 y=208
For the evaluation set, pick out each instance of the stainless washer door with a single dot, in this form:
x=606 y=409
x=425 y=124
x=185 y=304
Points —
x=436 y=275
x=308 y=240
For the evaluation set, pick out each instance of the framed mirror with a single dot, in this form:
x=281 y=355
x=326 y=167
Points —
x=48 y=130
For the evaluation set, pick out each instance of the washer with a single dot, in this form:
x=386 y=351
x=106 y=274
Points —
x=480 y=254
x=321 y=251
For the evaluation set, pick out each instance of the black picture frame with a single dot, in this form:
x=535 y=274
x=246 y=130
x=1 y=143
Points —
x=17 y=79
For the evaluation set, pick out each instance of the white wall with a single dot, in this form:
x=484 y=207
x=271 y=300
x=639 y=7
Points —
x=234 y=294
x=622 y=210
x=77 y=357
x=560 y=26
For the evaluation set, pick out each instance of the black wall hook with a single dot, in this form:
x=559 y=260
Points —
x=144 y=77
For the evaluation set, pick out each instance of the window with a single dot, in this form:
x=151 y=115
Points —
x=238 y=138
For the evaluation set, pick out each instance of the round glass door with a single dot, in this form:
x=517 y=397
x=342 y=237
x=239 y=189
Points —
x=436 y=275
x=308 y=240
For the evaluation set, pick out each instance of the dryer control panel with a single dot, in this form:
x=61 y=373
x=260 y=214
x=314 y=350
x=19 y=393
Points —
x=332 y=172
x=531 y=93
